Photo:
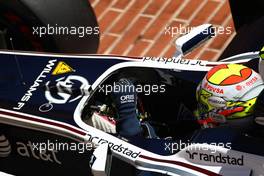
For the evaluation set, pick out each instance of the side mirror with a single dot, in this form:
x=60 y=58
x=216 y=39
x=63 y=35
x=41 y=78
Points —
x=196 y=37
x=101 y=160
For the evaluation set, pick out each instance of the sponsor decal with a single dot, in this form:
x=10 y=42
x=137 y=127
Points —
x=28 y=150
x=219 y=158
x=174 y=60
x=26 y=97
x=62 y=68
x=127 y=99
x=115 y=147
x=213 y=89
x=216 y=101
x=5 y=147
x=251 y=81
x=65 y=89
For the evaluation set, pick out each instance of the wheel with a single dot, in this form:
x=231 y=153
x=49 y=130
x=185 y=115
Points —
x=19 y=20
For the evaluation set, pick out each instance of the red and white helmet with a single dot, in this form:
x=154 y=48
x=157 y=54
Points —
x=228 y=91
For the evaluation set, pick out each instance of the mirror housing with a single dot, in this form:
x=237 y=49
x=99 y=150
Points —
x=195 y=38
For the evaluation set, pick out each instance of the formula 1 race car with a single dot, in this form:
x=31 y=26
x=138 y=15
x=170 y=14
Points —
x=48 y=103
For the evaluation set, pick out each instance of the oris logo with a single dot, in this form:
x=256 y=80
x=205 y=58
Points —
x=127 y=99
x=5 y=147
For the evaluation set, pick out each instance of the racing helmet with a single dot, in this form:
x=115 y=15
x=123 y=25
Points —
x=227 y=92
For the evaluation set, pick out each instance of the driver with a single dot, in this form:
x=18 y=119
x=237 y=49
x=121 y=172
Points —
x=125 y=122
x=227 y=95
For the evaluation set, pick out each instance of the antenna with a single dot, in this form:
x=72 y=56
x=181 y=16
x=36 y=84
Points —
x=17 y=63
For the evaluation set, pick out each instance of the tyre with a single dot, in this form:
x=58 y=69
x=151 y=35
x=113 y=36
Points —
x=19 y=20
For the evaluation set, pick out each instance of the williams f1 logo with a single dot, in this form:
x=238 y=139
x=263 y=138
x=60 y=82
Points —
x=65 y=88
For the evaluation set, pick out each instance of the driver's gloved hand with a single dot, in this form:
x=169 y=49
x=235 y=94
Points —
x=125 y=100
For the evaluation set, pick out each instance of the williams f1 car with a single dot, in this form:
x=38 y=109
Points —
x=48 y=103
